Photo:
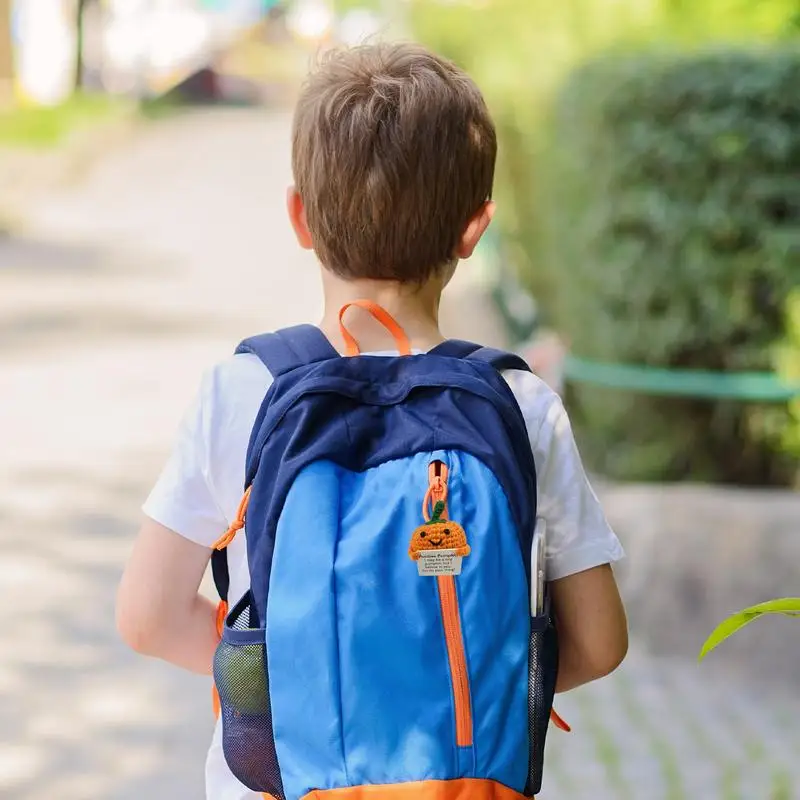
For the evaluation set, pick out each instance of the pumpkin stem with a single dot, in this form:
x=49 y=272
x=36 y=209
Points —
x=438 y=510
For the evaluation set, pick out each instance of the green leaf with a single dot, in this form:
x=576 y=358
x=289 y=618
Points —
x=788 y=606
x=438 y=510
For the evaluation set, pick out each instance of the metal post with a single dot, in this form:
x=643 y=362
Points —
x=143 y=61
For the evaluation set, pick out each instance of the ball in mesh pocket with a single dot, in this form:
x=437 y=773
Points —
x=241 y=678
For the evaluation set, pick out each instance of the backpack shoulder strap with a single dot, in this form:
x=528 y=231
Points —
x=280 y=352
x=499 y=359
x=290 y=348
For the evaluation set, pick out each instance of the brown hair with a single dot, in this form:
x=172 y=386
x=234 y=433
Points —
x=393 y=151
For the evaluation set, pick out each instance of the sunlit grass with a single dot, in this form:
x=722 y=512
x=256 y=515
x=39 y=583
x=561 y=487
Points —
x=43 y=127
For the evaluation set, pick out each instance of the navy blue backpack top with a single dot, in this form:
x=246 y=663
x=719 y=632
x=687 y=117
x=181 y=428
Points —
x=386 y=648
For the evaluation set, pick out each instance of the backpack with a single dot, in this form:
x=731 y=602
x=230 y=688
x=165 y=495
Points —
x=386 y=646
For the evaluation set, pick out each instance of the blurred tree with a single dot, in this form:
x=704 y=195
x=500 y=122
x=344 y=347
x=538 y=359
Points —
x=89 y=16
x=343 y=6
x=6 y=55
x=693 y=20
x=80 y=38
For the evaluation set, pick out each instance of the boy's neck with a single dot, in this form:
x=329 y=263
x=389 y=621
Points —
x=415 y=308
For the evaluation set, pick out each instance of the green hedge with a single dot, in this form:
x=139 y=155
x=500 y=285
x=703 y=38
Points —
x=669 y=226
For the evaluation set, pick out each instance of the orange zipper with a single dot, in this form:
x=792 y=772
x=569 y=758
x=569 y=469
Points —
x=458 y=660
x=451 y=620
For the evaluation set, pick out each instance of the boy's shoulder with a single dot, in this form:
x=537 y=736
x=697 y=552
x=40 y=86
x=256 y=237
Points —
x=540 y=405
x=235 y=373
x=232 y=388
x=237 y=370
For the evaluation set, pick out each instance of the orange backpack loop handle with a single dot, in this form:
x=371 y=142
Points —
x=380 y=315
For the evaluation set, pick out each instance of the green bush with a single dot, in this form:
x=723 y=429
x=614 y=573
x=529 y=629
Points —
x=668 y=222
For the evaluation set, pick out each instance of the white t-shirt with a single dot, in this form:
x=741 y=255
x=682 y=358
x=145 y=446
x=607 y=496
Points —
x=202 y=483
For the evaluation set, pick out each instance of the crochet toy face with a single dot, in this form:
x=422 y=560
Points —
x=439 y=534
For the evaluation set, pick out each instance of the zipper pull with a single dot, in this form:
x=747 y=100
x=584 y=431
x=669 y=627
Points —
x=437 y=485
x=439 y=544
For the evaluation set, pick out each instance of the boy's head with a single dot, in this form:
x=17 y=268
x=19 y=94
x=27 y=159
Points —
x=393 y=153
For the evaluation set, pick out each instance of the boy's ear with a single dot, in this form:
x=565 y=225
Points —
x=297 y=216
x=476 y=227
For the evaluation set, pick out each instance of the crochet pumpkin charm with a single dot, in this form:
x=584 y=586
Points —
x=439 y=534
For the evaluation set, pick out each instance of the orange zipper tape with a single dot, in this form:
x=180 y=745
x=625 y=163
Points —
x=451 y=620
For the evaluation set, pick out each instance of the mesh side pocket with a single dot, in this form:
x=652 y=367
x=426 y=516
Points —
x=542 y=672
x=240 y=675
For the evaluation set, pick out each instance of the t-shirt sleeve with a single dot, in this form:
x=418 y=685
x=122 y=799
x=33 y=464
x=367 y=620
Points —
x=183 y=498
x=578 y=534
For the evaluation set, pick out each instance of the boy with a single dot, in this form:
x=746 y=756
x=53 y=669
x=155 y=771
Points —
x=393 y=158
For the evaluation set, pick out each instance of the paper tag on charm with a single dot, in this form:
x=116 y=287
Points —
x=433 y=563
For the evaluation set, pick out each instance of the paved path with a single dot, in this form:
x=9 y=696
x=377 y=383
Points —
x=127 y=286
